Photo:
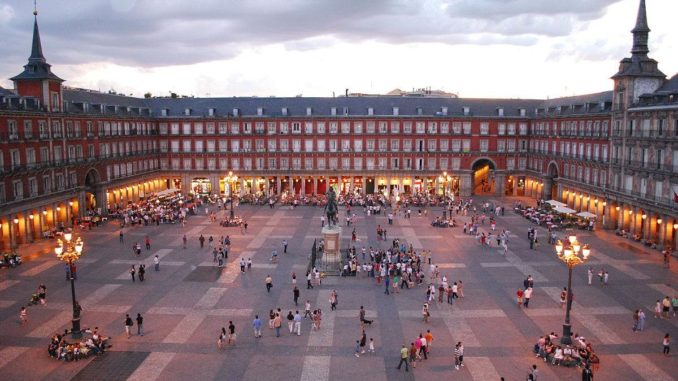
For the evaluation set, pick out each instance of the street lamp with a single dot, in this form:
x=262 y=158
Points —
x=231 y=179
x=70 y=252
x=570 y=254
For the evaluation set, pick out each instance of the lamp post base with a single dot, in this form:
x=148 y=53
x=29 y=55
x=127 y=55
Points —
x=567 y=335
x=75 y=330
x=231 y=214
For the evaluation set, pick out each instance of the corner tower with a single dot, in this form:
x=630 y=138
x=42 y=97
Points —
x=37 y=79
x=639 y=73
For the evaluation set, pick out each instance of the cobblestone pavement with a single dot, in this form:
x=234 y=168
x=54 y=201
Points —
x=187 y=302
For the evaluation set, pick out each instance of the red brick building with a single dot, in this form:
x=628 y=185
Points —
x=65 y=150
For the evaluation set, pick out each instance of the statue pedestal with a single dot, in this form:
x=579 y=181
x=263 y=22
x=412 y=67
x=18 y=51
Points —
x=332 y=239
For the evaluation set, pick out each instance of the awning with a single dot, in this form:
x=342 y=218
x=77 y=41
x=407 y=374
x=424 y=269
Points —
x=562 y=209
x=586 y=215
x=555 y=203
x=166 y=192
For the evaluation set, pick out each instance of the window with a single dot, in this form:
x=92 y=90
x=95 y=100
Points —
x=511 y=129
x=383 y=145
x=15 y=158
x=18 y=188
x=432 y=128
x=395 y=145
x=395 y=127
x=308 y=128
x=466 y=145
x=333 y=145
x=358 y=145
x=334 y=127
x=345 y=127
x=407 y=127
x=13 y=131
x=484 y=128
x=358 y=127
x=308 y=145
x=46 y=184
x=186 y=129
x=296 y=128
x=28 y=129
x=187 y=146
x=42 y=129
x=420 y=127
x=456 y=145
x=235 y=128
x=370 y=128
x=321 y=127
x=501 y=145
x=444 y=128
x=467 y=128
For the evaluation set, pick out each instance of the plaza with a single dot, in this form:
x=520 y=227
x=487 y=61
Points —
x=186 y=303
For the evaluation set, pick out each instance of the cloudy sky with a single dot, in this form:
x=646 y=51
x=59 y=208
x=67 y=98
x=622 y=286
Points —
x=476 y=48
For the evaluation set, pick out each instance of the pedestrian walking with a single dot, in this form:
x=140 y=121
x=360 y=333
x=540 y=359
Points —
x=128 y=325
x=519 y=297
x=387 y=283
x=256 y=325
x=201 y=239
x=641 y=320
x=363 y=342
x=284 y=244
x=309 y=278
x=140 y=325
x=533 y=373
x=132 y=272
x=371 y=347
x=277 y=323
x=666 y=343
x=307 y=309
x=426 y=313
x=563 y=297
x=357 y=348
x=290 y=321
x=222 y=338
x=185 y=240
x=295 y=295
x=404 y=355
x=333 y=300
x=269 y=283
x=122 y=237
x=458 y=355
x=156 y=262
x=23 y=316
x=142 y=272
x=587 y=373
x=231 y=333
x=526 y=296
x=148 y=243
x=590 y=275
x=297 y=323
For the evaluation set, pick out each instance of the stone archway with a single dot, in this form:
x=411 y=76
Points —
x=93 y=190
x=483 y=176
x=550 y=191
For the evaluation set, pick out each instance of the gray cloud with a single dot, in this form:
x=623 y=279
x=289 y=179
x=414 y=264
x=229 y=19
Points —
x=172 y=32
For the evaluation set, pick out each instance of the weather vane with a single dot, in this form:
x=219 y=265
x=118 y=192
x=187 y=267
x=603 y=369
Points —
x=35 y=7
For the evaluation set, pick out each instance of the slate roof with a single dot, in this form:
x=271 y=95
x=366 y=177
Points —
x=37 y=67
x=355 y=106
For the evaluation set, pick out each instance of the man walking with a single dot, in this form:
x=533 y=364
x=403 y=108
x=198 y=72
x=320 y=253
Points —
x=269 y=283
x=526 y=296
x=295 y=293
x=156 y=262
x=140 y=325
x=202 y=241
x=128 y=325
x=404 y=354
x=284 y=243
x=387 y=283
x=256 y=324
x=297 y=323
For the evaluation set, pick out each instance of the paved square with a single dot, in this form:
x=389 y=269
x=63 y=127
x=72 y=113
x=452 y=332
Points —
x=186 y=303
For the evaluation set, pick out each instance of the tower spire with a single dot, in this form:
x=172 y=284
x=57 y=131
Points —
x=640 y=32
x=36 y=47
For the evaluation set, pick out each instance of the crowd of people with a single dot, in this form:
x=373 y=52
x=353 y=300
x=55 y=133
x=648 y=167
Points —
x=61 y=349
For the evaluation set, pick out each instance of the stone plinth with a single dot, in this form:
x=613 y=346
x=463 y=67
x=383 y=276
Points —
x=332 y=239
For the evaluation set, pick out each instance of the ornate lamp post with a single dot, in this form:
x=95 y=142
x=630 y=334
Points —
x=445 y=178
x=70 y=252
x=231 y=179
x=572 y=253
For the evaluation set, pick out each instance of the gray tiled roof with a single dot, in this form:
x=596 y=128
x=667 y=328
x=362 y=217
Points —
x=356 y=106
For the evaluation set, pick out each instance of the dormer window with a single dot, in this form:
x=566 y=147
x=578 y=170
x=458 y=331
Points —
x=466 y=110
x=309 y=111
x=522 y=112
x=420 y=111
x=284 y=111
x=236 y=112
x=370 y=111
x=333 y=111
x=260 y=111
x=396 y=111
x=164 y=112
x=211 y=111
x=500 y=111
x=345 y=110
x=443 y=110
x=187 y=112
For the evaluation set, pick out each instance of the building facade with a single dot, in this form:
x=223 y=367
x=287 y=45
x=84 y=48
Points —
x=64 y=151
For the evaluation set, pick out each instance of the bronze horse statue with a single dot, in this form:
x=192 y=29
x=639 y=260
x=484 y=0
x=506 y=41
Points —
x=331 y=208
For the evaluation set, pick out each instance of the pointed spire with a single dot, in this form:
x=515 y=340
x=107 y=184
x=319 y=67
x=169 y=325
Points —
x=36 y=49
x=640 y=32
x=37 y=66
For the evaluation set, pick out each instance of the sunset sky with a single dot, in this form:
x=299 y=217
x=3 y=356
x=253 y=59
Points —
x=476 y=48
